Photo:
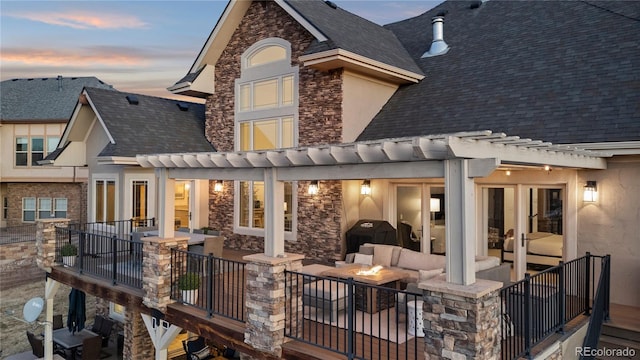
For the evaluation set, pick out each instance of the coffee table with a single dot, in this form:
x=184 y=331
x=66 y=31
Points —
x=386 y=277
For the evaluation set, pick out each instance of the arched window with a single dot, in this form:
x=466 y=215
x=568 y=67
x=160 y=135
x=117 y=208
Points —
x=266 y=113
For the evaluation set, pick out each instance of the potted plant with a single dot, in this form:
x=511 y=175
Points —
x=69 y=253
x=188 y=285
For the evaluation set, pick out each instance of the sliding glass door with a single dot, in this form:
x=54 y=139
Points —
x=420 y=216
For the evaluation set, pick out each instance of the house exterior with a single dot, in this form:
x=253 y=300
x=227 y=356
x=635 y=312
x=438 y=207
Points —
x=381 y=83
x=475 y=123
x=34 y=114
x=108 y=128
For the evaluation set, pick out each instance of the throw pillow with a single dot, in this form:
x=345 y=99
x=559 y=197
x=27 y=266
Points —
x=366 y=249
x=428 y=274
x=363 y=259
x=382 y=255
x=349 y=258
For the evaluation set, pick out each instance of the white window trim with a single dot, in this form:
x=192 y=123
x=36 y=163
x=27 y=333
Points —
x=104 y=177
x=35 y=209
x=148 y=186
x=39 y=209
x=259 y=232
x=249 y=75
x=115 y=315
x=54 y=206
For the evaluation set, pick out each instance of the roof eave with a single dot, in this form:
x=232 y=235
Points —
x=117 y=160
x=340 y=58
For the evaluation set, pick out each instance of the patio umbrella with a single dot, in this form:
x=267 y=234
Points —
x=77 y=313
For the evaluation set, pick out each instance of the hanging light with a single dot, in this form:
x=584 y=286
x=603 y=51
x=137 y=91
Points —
x=314 y=187
x=590 y=191
x=218 y=186
x=365 y=188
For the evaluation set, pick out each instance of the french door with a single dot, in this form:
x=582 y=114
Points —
x=513 y=215
x=419 y=216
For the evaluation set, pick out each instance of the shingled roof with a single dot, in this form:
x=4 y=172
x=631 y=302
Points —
x=43 y=99
x=352 y=33
x=559 y=71
x=153 y=125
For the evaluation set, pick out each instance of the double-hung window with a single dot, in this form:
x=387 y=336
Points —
x=28 y=209
x=105 y=200
x=30 y=150
x=266 y=113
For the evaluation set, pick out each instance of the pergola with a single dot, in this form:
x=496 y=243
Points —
x=459 y=158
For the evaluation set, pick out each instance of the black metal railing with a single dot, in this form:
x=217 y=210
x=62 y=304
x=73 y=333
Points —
x=219 y=284
x=120 y=228
x=107 y=257
x=357 y=320
x=18 y=233
x=540 y=305
x=600 y=311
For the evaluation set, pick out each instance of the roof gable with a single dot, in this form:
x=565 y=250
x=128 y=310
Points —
x=370 y=46
x=560 y=71
x=152 y=125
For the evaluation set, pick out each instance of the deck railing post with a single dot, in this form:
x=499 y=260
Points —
x=561 y=300
x=210 y=284
x=114 y=255
x=81 y=250
x=350 y=318
x=607 y=279
x=527 y=314
x=587 y=284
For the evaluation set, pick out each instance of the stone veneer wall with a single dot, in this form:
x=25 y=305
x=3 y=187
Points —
x=75 y=193
x=137 y=342
x=319 y=122
x=461 y=322
x=18 y=264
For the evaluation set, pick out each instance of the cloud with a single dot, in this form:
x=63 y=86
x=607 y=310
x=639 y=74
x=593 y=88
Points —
x=89 y=57
x=84 y=20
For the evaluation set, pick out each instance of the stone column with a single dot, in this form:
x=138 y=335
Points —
x=137 y=342
x=46 y=241
x=265 y=300
x=156 y=270
x=461 y=321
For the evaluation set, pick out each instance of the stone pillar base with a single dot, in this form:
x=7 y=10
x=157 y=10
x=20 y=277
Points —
x=461 y=321
x=265 y=300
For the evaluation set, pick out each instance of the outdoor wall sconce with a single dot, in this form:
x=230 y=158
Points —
x=590 y=191
x=365 y=188
x=314 y=187
x=218 y=186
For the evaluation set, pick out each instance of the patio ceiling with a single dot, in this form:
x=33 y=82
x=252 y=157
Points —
x=363 y=159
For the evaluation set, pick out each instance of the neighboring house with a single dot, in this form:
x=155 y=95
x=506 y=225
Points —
x=33 y=116
x=302 y=74
x=108 y=128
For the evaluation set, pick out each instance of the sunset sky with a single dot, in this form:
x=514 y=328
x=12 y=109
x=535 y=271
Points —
x=136 y=46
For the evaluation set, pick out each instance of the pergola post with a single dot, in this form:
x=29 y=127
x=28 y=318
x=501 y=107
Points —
x=461 y=222
x=273 y=213
x=166 y=203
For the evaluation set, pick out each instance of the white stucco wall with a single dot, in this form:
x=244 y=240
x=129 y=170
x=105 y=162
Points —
x=363 y=98
x=612 y=225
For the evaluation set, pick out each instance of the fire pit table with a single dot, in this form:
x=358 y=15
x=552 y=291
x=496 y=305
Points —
x=370 y=298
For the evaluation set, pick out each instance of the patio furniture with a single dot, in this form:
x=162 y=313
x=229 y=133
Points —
x=57 y=322
x=37 y=344
x=414 y=318
x=97 y=323
x=196 y=348
x=105 y=331
x=214 y=245
x=371 y=299
x=73 y=340
x=328 y=296
x=90 y=349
